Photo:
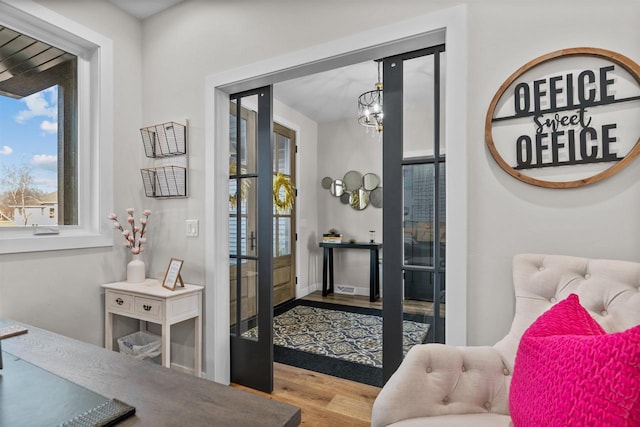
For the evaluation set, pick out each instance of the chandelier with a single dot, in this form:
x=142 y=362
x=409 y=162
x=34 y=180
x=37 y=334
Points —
x=370 y=106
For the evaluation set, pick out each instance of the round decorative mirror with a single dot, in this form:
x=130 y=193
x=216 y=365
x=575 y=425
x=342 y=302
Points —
x=370 y=181
x=352 y=180
x=326 y=182
x=337 y=188
x=376 y=197
x=345 y=198
x=359 y=199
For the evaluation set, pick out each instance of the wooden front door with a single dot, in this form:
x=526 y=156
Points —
x=284 y=218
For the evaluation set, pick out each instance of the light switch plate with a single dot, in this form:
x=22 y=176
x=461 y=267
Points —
x=192 y=228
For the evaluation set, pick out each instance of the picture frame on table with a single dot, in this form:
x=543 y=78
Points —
x=172 y=275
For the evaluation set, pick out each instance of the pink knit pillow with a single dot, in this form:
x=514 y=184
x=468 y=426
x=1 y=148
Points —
x=570 y=372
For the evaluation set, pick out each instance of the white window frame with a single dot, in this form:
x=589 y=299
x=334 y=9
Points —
x=95 y=128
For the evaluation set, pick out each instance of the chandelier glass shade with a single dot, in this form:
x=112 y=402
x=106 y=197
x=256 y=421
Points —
x=370 y=103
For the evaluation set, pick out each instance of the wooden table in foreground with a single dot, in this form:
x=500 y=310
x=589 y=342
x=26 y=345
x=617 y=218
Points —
x=161 y=396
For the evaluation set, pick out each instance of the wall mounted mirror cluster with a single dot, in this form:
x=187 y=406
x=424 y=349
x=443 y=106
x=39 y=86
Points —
x=355 y=189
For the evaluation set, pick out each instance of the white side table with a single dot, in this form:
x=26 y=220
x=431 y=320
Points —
x=148 y=301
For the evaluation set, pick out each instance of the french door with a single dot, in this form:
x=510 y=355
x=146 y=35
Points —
x=251 y=237
x=284 y=216
x=414 y=217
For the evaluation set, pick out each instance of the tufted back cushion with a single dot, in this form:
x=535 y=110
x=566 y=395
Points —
x=608 y=289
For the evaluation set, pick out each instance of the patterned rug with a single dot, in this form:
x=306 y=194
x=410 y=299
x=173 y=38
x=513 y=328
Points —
x=344 y=335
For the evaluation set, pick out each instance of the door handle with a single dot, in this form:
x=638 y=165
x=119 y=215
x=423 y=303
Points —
x=252 y=239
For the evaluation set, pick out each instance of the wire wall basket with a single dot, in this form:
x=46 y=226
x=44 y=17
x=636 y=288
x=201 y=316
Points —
x=166 y=139
x=165 y=181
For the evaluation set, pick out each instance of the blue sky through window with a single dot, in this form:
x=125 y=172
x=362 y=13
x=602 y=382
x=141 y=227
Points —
x=29 y=136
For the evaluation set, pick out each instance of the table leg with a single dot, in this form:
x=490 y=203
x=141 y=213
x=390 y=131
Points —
x=373 y=261
x=330 y=270
x=198 y=340
x=108 y=330
x=327 y=270
x=372 y=276
x=377 y=273
x=166 y=345
x=325 y=258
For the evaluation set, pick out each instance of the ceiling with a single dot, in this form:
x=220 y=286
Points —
x=142 y=9
x=333 y=95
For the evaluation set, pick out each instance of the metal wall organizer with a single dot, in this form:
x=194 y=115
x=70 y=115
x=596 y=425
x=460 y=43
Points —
x=163 y=141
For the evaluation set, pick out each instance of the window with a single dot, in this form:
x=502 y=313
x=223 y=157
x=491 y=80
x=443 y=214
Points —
x=420 y=217
x=38 y=116
x=55 y=88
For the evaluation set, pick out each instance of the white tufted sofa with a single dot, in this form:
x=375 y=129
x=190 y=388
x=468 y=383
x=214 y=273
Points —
x=440 y=385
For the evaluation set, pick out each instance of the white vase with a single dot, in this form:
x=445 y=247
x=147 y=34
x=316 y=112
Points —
x=135 y=270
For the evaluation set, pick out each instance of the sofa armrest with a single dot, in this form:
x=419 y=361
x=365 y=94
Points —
x=437 y=379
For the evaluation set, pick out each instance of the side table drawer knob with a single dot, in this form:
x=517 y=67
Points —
x=122 y=303
x=150 y=309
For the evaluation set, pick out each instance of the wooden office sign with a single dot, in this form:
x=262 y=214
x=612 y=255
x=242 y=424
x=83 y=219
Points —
x=567 y=119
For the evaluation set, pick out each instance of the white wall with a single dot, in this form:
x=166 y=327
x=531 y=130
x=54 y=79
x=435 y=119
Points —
x=507 y=216
x=345 y=145
x=60 y=290
x=192 y=40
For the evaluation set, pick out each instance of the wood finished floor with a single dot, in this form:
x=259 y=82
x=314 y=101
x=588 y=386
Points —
x=324 y=400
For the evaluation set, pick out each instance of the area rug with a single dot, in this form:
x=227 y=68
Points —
x=338 y=340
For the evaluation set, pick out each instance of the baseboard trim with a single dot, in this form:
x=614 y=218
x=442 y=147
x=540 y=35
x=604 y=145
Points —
x=183 y=369
x=302 y=292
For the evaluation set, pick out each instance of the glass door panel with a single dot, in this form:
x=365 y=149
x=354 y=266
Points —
x=420 y=218
x=424 y=192
x=421 y=246
x=282 y=237
x=418 y=137
x=243 y=208
x=413 y=205
x=243 y=247
x=282 y=154
x=243 y=150
x=250 y=236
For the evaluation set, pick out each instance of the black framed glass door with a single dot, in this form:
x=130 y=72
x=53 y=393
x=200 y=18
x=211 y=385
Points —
x=414 y=216
x=250 y=238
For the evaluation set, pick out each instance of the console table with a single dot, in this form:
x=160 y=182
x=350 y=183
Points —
x=148 y=301
x=162 y=397
x=374 y=266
